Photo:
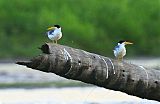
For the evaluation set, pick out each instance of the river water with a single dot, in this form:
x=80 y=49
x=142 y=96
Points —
x=73 y=95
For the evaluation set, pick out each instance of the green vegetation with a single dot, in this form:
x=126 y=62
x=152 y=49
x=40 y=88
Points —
x=92 y=25
x=43 y=84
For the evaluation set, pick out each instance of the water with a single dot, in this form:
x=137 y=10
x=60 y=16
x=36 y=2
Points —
x=74 y=95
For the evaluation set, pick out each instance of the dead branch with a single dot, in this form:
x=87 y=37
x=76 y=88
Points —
x=98 y=70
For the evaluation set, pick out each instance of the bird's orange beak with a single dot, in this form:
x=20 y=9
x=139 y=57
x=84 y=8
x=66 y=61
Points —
x=127 y=43
x=51 y=28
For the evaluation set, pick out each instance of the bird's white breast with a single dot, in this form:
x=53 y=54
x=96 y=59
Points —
x=120 y=52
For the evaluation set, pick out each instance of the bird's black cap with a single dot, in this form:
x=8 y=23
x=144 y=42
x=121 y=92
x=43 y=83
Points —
x=121 y=41
x=58 y=26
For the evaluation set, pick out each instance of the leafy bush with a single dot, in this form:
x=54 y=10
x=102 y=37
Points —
x=92 y=25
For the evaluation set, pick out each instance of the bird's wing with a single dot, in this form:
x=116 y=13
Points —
x=116 y=48
x=51 y=32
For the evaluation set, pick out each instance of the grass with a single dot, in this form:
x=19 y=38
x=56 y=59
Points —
x=43 y=84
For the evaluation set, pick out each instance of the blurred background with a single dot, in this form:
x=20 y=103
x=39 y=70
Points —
x=92 y=25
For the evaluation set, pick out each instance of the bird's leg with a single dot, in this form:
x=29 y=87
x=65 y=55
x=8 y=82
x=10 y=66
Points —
x=120 y=59
x=120 y=62
x=53 y=41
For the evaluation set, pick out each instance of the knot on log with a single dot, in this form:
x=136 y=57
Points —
x=45 y=48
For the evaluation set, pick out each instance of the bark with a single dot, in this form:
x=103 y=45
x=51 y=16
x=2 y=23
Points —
x=98 y=70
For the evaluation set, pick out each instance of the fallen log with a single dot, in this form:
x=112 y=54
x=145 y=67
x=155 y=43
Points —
x=102 y=71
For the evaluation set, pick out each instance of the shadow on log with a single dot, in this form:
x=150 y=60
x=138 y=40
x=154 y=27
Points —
x=98 y=70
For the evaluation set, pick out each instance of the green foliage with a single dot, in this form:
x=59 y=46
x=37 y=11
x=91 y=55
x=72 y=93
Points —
x=43 y=84
x=93 y=25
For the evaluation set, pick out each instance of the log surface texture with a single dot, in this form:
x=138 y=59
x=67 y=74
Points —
x=102 y=71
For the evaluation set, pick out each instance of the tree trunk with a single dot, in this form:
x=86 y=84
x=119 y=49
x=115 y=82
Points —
x=98 y=70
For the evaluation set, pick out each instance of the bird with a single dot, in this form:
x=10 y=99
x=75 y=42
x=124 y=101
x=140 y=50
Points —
x=54 y=33
x=120 y=50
